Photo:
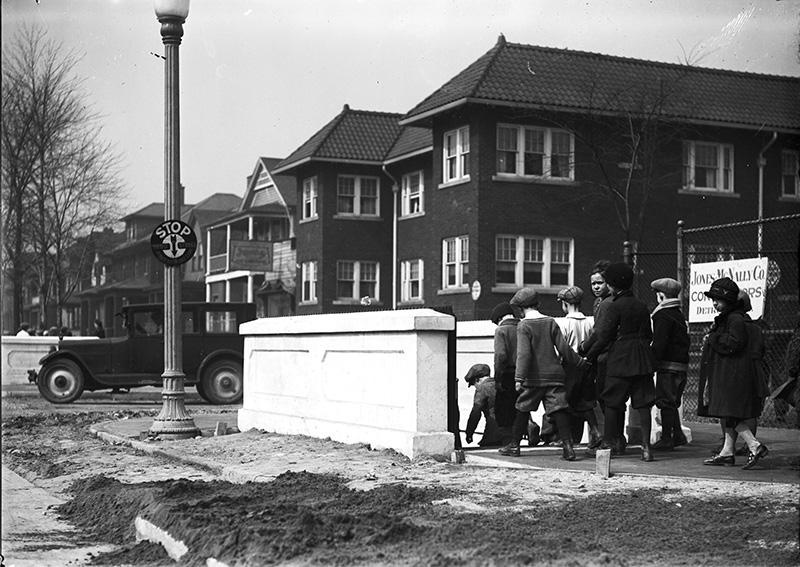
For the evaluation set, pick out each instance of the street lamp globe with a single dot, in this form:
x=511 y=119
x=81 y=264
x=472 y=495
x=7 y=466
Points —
x=172 y=9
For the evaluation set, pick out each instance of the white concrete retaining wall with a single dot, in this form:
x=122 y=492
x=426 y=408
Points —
x=376 y=377
x=21 y=354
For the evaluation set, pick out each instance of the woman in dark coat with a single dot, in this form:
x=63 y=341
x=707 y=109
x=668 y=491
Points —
x=729 y=386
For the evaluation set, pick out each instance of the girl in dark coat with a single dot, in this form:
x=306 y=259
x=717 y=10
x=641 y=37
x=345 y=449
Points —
x=729 y=387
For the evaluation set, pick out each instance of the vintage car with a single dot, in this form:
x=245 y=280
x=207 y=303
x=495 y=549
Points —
x=212 y=354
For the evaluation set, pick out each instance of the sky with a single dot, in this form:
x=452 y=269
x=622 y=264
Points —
x=260 y=77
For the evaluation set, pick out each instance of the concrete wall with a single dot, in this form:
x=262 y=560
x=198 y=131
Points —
x=21 y=354
x=370 y=377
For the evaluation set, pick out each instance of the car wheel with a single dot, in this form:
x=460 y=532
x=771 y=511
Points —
x=61 y=382
x=201 y=392
x=222 y=382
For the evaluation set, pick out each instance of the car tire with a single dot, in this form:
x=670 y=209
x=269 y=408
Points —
x=61 y=382
x=201 y=392
x=222 y=382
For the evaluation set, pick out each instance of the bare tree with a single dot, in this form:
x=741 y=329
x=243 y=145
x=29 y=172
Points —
x=61 y=181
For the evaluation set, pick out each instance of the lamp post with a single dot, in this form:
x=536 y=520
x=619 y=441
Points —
x=173 y=421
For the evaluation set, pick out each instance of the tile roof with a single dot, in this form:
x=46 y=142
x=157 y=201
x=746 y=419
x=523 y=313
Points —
x=575 y=81
x=353 y=135
x=412 y=139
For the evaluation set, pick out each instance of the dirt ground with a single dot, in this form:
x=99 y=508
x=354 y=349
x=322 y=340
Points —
x=326 y=503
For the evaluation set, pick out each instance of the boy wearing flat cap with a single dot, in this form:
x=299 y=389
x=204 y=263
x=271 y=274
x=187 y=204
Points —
x=581 y=394
x=482 y=405
x=671 y=349
x=625 y=330
x=539 y=375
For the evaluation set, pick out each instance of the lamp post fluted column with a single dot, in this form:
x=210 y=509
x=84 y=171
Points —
x=173 y=421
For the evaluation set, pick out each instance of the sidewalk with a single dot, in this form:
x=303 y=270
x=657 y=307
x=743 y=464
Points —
x=684 y=462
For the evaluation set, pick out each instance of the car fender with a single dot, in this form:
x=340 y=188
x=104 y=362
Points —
x=88 y=377
x=216 y=355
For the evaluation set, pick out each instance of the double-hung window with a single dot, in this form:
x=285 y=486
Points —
x=790 y=162
x=357 y=196
x=456 y=155
x=412 y=194
x=708 y=167
x=309 y=282
x=356 y=279
x=310 y=198
x=536 y=152
x=455 y=262
x=533 y=261
x=411 y=280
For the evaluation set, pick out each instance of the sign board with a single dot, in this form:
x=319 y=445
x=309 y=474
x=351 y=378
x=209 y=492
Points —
x=750 y=275
x=476 y=290
x=251 y=255
x=173 y=243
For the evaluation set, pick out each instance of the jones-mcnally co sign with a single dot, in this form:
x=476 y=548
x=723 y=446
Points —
x=750 y=275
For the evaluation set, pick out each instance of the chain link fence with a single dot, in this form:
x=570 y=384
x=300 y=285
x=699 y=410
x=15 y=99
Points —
x=775 y=238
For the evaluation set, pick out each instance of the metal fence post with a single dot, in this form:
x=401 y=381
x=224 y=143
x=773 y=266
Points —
x=680 y=269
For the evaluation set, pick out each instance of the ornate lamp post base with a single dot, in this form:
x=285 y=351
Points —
x=173 y=422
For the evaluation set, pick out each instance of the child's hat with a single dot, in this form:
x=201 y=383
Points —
x=501 y=310
x=526 y=297
x=475 y=372
x=667 y=286
x=572 y=295
x=619 y=275
x=725 y=289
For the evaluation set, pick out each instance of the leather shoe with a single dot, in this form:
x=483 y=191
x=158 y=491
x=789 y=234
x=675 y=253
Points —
x=594 y=440
x=509 y=450
x=679 y=438
x=647 y=453
x=568 y=453
x=617 y=448
x=753 y=458
x=663 y=445
x=720 y=461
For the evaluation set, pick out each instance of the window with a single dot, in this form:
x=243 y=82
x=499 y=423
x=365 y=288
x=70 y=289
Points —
x=357 y=195
x=708 y=167
x=455 y=254
x=790 y=161
x=356 y=279
x=456 y=155
x=411 y=280
x=413 y=187
x=309 y=282
x=222 y=322
x=540 y=152
x=310 y=198
x=533 y=261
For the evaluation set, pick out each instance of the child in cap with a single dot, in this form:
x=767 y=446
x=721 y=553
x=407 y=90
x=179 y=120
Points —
x=540 y=376
x=671 y=349
x=581 y=394
x=482 y=405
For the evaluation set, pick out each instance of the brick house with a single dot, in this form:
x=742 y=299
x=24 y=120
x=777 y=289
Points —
x=526 y=168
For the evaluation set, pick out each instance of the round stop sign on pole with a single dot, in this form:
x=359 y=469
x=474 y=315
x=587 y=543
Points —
x=173 y=242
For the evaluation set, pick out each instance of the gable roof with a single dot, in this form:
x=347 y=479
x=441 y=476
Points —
x=576 y=81
x=354 y=136
x=265 y=188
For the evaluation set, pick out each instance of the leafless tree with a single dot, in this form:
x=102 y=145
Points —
x=60 y=180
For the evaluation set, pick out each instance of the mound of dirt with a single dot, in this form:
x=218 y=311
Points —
x=307 y=518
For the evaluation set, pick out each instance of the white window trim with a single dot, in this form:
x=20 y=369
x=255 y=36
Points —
x=308 y=274
x=405 y=194
x=548 y=153
x=405 y=287
x=546 y=284
x=310 y=195
x=357 y=197
x=689 y=180
x=357 y=281
x=461 y=173
x=796 y=194
x=459 y=262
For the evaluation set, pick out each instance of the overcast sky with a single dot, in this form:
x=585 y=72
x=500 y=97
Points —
x=259 y=77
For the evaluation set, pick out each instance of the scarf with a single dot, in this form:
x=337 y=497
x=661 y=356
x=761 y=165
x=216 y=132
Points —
x=667 y=304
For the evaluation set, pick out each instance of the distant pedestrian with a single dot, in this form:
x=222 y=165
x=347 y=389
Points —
x=671 y=349
x=23 y=330
x=625 y=331
x=729 y=386
x=540 y=376
x=482 y=405
x=581 y=394
x=99 y=331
